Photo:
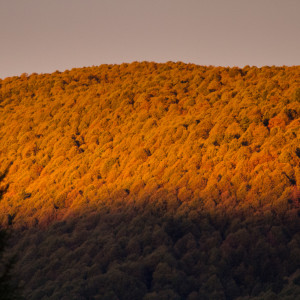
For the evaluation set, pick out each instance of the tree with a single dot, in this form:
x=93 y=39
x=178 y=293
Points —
x=8 y=290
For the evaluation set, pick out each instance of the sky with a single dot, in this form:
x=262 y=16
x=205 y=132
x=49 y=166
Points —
x=42 y=36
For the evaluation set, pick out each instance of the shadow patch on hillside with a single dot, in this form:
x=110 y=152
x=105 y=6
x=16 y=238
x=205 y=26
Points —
x=152 y=253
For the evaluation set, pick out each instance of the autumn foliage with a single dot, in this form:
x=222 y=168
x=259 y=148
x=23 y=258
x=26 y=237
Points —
x=179 y=140
x=139 y=132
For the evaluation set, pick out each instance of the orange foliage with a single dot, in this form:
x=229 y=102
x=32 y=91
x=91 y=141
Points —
x=145 y=131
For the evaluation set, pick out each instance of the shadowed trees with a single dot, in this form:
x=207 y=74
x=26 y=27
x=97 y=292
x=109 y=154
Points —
x=8 y=285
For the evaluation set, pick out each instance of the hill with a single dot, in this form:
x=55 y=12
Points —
x=150 y=175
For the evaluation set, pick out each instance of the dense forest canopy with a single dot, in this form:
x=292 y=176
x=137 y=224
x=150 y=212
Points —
x=146 y=132
x=163 y=163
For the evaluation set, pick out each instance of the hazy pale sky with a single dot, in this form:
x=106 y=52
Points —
x=46 y=35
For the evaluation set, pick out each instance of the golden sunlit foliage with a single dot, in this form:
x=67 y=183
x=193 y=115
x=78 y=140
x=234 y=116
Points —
x=153 y=181
x=130 y=133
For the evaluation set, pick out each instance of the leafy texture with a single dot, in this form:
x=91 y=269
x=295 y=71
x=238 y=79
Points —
x=154 y=181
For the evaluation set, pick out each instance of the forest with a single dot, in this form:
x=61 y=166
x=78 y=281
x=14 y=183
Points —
x=152 y=181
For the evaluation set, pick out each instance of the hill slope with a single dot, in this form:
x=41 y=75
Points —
x=145 y=156
x=229 y=137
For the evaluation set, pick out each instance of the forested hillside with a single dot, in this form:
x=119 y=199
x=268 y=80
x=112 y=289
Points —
x=153 y=181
